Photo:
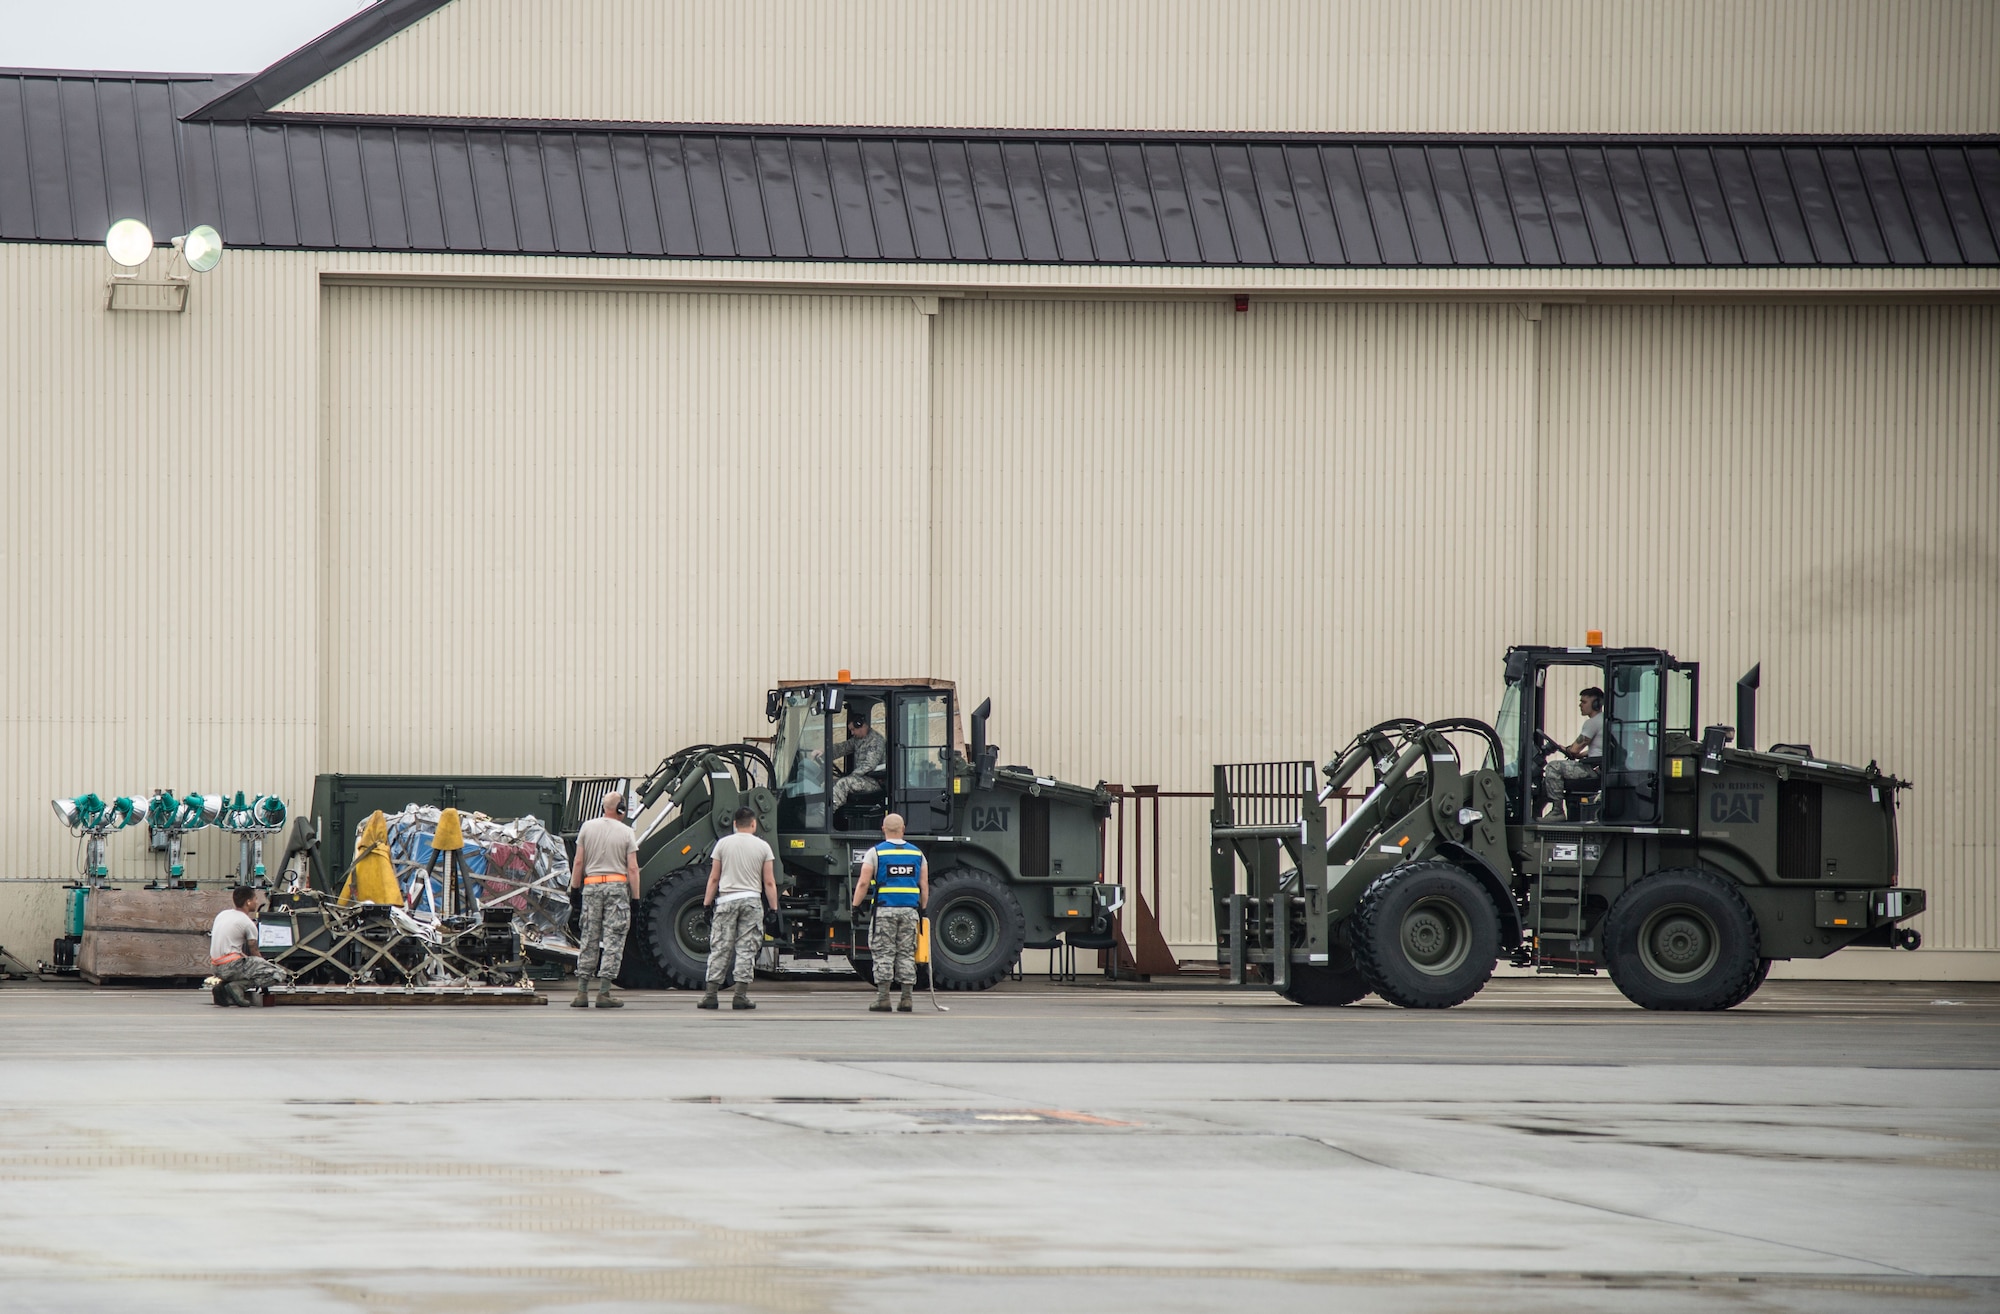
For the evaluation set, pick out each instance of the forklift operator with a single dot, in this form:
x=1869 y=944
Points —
x=865 y=752
x=1582 y=759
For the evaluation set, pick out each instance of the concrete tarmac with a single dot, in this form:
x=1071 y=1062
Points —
x=1825 y=1147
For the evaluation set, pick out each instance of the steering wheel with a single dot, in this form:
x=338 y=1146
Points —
x=1545 y=744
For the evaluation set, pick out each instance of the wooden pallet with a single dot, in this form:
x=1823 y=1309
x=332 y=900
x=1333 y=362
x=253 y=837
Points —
x=398 y=996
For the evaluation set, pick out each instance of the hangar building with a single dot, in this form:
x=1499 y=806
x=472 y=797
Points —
x=1201 y=379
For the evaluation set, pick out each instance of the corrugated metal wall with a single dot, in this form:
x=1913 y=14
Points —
x=1815 y=489
x=1275 y=65
x=567 y=532
x=156 y=555
x=1174 y=535
x=1184 y=536
x=309 y=528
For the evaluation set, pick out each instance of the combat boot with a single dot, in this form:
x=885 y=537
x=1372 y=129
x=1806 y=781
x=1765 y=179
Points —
x=881 y=1004
x=234 y=994
x=605 y=999
x=742 y=999
x=904 y=1004
x=709 y=999
x=582 y=999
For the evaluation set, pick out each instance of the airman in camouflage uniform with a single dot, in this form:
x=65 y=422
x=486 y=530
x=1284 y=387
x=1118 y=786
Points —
x=865 y=752
x=901 y=881
x=607 y=873
x=742 y=885
x=234 y=953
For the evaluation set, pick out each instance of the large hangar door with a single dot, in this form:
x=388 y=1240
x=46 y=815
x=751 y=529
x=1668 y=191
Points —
x=1181 y=535
x=563 y=532
x=1813 y=488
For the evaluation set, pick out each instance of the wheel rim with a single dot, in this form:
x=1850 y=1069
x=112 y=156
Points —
x=965 y=931
x=691 y=929
x=1679 y=944
x=1436 y=936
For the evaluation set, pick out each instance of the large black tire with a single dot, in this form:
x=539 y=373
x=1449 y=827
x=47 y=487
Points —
x=1756 y=980
x=976 y=930
x=673 y=928
x=1425 y=935
x=638 y=969
x=1683 y=940
x=1326 y=987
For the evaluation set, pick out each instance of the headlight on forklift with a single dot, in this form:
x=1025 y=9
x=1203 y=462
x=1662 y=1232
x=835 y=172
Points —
x=1466 y=816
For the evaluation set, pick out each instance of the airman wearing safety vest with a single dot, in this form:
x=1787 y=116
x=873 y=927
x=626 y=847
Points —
x=901 y=883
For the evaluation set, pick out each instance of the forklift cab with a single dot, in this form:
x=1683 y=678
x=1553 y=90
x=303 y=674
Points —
x=1647 y=696
x=811 y=720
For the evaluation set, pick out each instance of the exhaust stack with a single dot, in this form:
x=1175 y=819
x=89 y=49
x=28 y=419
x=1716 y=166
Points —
x=1746 y=707
x=984 y=756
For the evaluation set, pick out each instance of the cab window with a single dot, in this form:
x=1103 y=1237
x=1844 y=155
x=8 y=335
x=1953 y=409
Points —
x=922 y=738
x=798 y=754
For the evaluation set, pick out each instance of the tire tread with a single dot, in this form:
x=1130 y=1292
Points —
x=1362 y=936
x=665 y=891
x=1734 y=991
x=1014 y=931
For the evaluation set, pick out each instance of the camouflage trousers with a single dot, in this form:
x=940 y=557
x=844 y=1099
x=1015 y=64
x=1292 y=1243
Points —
x=848 y=788
x=893 y=941
x=1559 y=772
x=607 y=916
x=256 y=973
x=736 y=927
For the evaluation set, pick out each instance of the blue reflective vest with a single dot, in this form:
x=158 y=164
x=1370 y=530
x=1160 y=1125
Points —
x=897 y=868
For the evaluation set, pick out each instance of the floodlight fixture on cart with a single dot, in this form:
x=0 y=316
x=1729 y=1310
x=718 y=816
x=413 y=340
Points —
x=91 y=818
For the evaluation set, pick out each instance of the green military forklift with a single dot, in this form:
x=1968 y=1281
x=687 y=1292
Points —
x=1015 y=856
x=1682 y=862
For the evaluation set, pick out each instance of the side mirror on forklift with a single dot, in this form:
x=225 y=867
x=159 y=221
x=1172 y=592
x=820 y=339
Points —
x=772 y=704
x=1713 y=740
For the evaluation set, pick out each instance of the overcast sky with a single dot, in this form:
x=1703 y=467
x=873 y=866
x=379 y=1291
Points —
x=177 y=36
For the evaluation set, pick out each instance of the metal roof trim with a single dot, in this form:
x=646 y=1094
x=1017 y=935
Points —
x=326 y=52
x=1161 y=135
x=225 y=80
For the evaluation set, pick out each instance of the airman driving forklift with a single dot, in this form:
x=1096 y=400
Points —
x=1014 y=856
x=1681 y=863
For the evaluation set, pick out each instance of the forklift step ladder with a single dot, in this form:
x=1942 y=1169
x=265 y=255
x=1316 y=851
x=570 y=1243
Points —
x=1559 y=922
x=1266 y=812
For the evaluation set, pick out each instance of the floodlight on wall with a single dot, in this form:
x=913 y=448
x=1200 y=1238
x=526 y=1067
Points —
x=201 y=248
x=130 y=243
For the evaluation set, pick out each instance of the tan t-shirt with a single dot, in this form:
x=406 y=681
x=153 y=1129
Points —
x=603 y=845
x=742 y=856
x=234 y=932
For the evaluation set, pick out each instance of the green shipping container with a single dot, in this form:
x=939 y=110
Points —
x=342 y=802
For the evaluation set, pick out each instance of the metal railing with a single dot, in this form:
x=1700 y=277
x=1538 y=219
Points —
x=1258 y=795
x=1131 y=856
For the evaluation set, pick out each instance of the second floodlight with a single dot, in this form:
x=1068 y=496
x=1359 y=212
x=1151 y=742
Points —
x=131 y=243
x=202 y=248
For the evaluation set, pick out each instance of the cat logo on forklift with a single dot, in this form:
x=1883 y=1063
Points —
x=1743 y=807
x=990 y=818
